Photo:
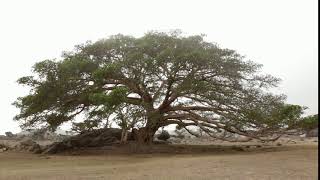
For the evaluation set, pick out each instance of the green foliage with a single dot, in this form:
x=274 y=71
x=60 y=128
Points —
x=288 y=115
x=85 y=126
x=153 y=81
x=309 y=122
x=114 y=98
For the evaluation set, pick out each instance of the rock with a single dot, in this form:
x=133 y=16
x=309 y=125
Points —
x=95 y=138
x=35 y=148
x=28 y=145
x=279 y=144
x=312 y=133
x=174 y=140
x=56 y=147
x=291 y=141
x=161 y=142
x=237 y=148
x=3 y=148
x=27 y=142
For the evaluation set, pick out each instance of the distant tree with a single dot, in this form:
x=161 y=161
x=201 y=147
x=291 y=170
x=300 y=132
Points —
x=165 y=77
x=9 y=134
x=309 y=125
x=289 y=115
x=310 y=122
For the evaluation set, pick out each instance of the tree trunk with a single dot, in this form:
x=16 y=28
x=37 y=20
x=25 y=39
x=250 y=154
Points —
x=144 y=135
x=124 y=136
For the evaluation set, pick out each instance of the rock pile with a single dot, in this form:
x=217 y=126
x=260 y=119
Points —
x=28 y=145
x=3 y=148
x=95 y=138
x=312 y=133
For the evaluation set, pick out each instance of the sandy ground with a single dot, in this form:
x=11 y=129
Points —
x=283 y=162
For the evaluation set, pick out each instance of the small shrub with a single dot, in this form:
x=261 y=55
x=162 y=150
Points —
x=164 y=135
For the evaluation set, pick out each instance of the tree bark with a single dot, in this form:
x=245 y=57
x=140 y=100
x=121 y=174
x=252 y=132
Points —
x=144 y=135
x=124 y=136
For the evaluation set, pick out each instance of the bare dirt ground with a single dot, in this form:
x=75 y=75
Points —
x=289 y=161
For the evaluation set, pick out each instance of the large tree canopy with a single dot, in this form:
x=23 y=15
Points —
x=153 y=81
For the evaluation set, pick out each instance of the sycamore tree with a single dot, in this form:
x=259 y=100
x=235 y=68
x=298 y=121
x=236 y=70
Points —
x=154 y=81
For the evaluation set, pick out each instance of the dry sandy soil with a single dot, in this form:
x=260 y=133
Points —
x=296 y=161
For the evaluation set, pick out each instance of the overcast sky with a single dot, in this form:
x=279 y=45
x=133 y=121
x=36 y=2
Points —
x=280 y=34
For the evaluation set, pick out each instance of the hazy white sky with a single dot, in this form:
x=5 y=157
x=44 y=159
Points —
x=280 y=34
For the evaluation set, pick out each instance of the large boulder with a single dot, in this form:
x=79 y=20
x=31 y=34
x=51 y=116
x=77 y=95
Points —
x=95 y=138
